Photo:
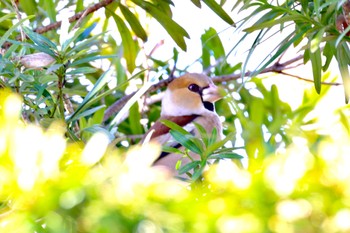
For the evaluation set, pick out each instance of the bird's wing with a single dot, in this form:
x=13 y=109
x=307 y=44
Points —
x=160 y=132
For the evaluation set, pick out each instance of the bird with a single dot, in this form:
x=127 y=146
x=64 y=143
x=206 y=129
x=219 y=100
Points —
x=189 y=98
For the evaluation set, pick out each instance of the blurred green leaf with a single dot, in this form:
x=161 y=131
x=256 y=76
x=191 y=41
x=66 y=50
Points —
x=197 y=3
x=101 y=82
x=133 y=22
x=40 y=40
x=188 y=167
x=174 y=126
x=343 y=61
x=29 y=6
x=129 y=45
x=170 y=149
x=316 y=63
x=49 y=6
x=174 y=30
x=13 y=28
x=82 y=70
x=226 y=156
x=134 y=119
x=219 y=11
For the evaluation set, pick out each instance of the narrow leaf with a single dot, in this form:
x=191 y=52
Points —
x=316 y=63
x=219 y=11
x=188 y=167
x=170 y=149
x=186 y=141
x=40 y=40
x=87 y=112
x=89 y=59
x=197 y=3
x=13 y=28
x=343 y=61
x=213 y=147
x=101 y=82
x=226 y=156
x=174 y=126
x=175 y=30
x=129 y=45
x=133 y=22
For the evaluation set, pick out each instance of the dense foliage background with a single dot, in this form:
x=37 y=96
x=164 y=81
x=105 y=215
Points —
x=81 y=82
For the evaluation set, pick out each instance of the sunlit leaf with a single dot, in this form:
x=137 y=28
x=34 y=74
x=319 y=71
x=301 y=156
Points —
x=129 y=45
x=186 y=141
x=316 y=63
x=174 y=29
x=133 y=22
x=188 y=167
x=214 y=6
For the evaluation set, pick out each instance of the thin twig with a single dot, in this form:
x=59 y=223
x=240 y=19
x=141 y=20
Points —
x=277 y=68
x=23 y=36
x=309 y=80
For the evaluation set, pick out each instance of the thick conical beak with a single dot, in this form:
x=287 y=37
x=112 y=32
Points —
x=211 y=93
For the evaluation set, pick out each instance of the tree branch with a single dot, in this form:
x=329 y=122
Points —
x=79 y=16
x=276 y=68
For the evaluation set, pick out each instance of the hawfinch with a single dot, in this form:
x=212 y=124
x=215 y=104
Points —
x=187 y=99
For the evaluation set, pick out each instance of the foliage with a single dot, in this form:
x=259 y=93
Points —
x=66 y=167
x=49 y=185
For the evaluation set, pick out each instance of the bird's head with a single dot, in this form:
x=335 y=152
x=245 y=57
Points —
x=190 y=94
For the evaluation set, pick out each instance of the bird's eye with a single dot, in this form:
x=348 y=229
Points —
x=194 y=87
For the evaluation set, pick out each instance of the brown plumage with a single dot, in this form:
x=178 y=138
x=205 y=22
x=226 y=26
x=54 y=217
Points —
x=187 y=99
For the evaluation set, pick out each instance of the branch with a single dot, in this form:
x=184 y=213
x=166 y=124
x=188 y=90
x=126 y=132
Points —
x=277 y=68
x=309 y=80
x=79 y=16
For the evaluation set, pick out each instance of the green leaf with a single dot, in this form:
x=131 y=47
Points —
x=101 y=82
x=175 y=30
x=133 y=22
x=198 y=172
x=343 y=61
x=174 y=126
x=316 y=63
x=197 y=3
x=211 y=45
x=269 y=24
x=29 y=6
x=203 y=133
x=49 y=6
x=173 y=150
x=129 y=45
x=219 y=11
x=315 y=42
x=82 y=70
x=40 y=40
x=282 y=49
x=84 y=44
x=7 y=16
x=226 y=156
x=188 y=167
x=13 y=28
x=97 y=128
x=134 y=119
x=213 y=136
x=215 y=146
x=26 y=78
x=90 y=58
x=186 y=141
x=87 y=112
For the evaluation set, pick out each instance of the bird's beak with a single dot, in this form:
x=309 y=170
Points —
x=211 y=93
